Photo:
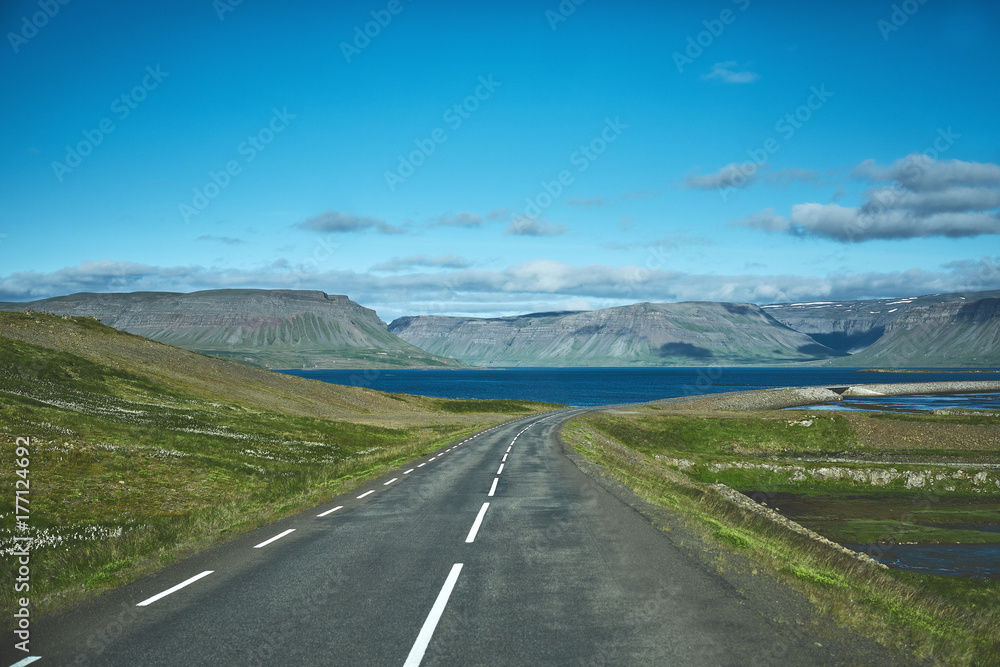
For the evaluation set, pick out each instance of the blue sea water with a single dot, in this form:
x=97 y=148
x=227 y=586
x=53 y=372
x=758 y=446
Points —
x=584 y=387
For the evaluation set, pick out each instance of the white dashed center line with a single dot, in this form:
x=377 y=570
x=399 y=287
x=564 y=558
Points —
x=478 y=522
x=390 y=481
x=338 y=507
x=504 y=458
x=494 y=487
x=409 y=471
x=427 y=631
x=366 y=493
x=149 y=601
x=276 y=537
x=501 y=469
x=421 y=465
x=27 y=661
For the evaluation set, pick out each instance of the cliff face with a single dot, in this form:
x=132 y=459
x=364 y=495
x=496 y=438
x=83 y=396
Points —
x=270 y=328
x=644 y=334
x=852 y=326
x=957 y=333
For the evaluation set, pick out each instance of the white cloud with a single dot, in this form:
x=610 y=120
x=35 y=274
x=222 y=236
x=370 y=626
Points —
x=337 y=222
x=733 y=175
x=728 y=72
x=228 y=240
x=525 y=226
x=518 y=288
x=461 y=219
x=921 y=173
x=416 y=261
x=926 y=198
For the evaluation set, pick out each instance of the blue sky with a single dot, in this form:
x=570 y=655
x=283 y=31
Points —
x=501 y=158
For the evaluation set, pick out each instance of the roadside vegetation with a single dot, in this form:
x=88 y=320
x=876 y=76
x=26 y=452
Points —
x=837 y=473
x=141 y=454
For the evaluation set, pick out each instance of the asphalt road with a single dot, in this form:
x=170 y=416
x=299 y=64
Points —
x=495 y=551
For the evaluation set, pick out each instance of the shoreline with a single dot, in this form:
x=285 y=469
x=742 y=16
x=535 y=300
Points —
x=790 y=397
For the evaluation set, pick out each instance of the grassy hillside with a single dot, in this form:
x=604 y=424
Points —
x=141 y=453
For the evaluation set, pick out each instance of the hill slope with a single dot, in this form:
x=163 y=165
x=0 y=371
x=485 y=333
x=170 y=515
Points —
x=851 y=326
x=962 y=333
x=141 y=453
x=269 y=328
x=644 y=334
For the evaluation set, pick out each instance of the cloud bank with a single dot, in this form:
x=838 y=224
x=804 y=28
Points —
x=539 y=284
x=924 y=198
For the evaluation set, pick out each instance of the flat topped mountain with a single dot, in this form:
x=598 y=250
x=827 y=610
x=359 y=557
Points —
x=851 y=326
x=269 y=328
x=956 y=329
x=644 y=334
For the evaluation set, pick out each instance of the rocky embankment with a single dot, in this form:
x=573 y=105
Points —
x=749 y=505
x=777 y=399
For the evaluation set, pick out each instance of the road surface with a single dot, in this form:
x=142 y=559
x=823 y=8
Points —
x=497 y=550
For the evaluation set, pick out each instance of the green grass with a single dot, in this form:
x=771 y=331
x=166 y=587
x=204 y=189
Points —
x=711 y=437
x=945 y=620
x=128 y=474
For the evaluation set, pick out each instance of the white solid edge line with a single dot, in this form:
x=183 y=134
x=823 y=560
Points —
x=26 y=661
x=149 y=601
x=366 y=493
x=430 y=624
x=501 y=469
x=276 y=537
x=390 y=481
x=409 y=471
x=494 y=487
x=478 y=522
x=338 y=507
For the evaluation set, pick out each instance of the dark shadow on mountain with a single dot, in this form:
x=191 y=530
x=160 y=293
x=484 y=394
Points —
x=818 y=350
x=739 y=309
x=685 y=350
x=843 y=343
x=589 y=330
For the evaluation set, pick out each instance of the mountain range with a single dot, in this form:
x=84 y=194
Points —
x=697 y=333
x=267 y=328
x=311 y=329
